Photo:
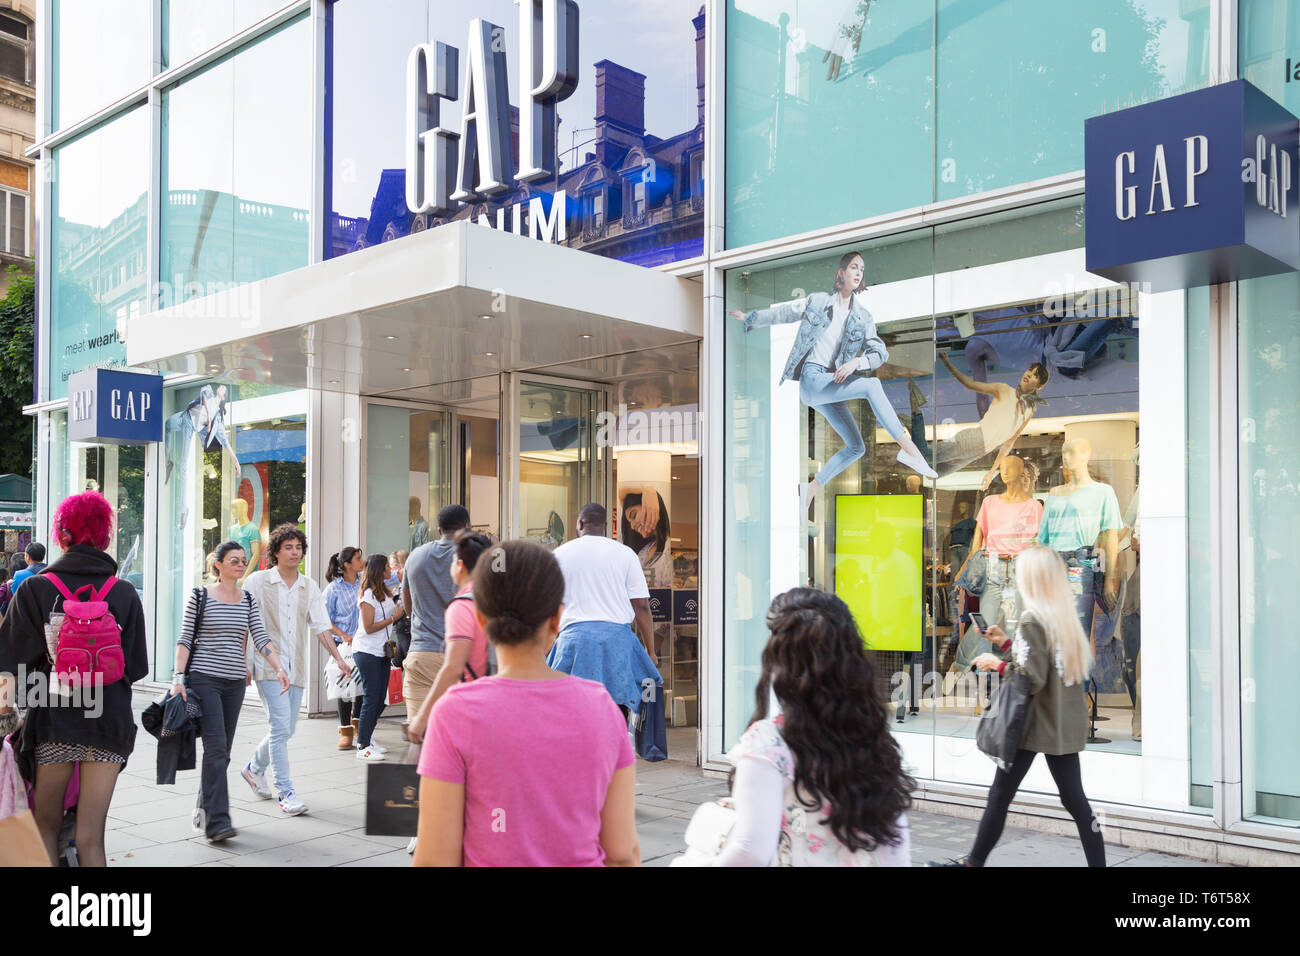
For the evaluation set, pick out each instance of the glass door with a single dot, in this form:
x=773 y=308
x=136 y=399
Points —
x=408 y=459
x=559 y=464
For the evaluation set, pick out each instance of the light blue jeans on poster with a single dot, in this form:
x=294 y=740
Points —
x=818 y=389
x=282 y=717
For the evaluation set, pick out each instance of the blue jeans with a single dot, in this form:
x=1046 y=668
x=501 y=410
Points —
x=282 y=718
x=1085 y=560
x=818 y=389
x=374 y=681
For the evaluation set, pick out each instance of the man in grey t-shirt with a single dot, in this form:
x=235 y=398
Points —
x=428 y=589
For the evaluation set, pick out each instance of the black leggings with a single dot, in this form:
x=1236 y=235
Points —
x=1065 y=771
x=349 y=710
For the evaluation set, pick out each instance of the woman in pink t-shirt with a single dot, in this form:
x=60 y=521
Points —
x=530 y=767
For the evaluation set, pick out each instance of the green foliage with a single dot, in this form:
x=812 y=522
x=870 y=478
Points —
x=17 y=339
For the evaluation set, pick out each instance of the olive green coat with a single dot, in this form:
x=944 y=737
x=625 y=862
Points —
x=1057 y=721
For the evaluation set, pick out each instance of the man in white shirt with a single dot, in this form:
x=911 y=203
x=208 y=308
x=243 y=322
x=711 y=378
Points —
x=293 y=609
x=605 y=595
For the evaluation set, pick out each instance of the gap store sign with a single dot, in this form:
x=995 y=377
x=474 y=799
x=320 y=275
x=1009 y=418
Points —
x=1193 y=190
x=112 y=407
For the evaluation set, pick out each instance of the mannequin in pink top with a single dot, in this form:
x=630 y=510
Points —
x=1005 y=526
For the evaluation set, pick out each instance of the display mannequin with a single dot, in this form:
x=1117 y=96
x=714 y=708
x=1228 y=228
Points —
x=961 y=535
x=246 y=533
x=1078 y=514
x=1005 y=525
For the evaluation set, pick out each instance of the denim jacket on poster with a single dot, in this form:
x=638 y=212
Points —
x=814 y=313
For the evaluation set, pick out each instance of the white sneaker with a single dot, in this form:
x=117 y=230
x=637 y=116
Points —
x=376 y=746
x=370 y=754
x=291 y=805
x=917 y=464
x=410 y=847
x=257 y=781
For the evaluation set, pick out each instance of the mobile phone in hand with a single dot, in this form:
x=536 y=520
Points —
x=978 y=620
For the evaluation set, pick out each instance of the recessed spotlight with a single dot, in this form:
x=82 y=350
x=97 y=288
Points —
x=334 y=381
x=391 y=338
x=485 y=316
x=489 y=354
x=586 y=335
x=406 y=370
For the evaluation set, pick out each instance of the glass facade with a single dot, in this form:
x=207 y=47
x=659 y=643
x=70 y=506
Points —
x=192 y=26
x=630 y=138
x=236 y=164
x=99 y=242
x=1269 y=466
x=101 y=53
x=1043 y=397
x=843 y=110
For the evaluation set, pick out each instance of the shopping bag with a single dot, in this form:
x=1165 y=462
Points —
x=338 y=687
x=20 y=840
x=392 y=799
x=395 y=686
x=651 y=726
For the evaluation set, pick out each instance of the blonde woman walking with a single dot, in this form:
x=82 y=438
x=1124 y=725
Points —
x=1051 y=650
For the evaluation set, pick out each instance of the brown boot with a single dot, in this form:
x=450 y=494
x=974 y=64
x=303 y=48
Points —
x=346 y=735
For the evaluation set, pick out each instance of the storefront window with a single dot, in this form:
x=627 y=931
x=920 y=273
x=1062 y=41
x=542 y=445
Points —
x=843 y=110
x=1269 y=399
x=98 y=241
x=984 y=351
x=408 y=458
x=192 y=26
x=636 y=117
x=1200 y=556
x=234 y=465
x=237 y=168
x=101 y=53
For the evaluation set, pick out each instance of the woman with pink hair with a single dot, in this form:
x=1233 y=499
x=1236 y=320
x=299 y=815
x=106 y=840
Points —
x=94 y=726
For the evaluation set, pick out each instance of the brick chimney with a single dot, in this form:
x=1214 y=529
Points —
x=620 y=105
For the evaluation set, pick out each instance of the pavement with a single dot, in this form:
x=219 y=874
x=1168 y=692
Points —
x=150 y=825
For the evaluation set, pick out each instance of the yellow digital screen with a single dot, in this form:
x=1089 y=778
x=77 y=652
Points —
x=878 y=567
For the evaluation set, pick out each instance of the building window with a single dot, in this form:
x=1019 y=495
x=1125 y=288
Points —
x=13 y=237
x=16 y=49
x=593 y=213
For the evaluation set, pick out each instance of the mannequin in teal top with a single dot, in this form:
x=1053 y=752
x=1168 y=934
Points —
x=247 y=534
x=1082 y=511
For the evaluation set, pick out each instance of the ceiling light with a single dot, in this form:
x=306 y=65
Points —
x=334 y=381
x=391 y=338
x=586 y=335
x=489 y=354
x=485 y=316
x=406 y=370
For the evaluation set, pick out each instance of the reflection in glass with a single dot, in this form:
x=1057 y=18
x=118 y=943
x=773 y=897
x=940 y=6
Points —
x=192 y=26
x=558 y=467
x=630 y=138
x=237 y=168
x=101 y=53
x=98 y=243
x=408 y=458
x=1269 y=397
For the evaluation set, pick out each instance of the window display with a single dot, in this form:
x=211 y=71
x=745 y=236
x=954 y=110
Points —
x=233 y=467
x=1026 y=383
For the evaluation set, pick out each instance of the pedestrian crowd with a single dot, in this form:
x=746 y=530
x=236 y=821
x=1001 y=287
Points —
x=520 y=670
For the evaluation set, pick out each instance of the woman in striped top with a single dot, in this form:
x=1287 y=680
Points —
x=218 y=673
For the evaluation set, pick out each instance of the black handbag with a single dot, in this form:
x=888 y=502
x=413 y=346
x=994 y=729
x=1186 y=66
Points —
x=1002 y=727
x=400 y=645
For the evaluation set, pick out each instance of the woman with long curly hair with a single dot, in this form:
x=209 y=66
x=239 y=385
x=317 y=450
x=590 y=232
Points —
x=828 y=754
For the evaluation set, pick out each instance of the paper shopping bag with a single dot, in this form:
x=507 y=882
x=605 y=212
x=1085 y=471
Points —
x=395 y=686
x=20 y=841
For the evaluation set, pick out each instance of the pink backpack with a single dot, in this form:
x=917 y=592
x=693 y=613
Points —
x=90 y=639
